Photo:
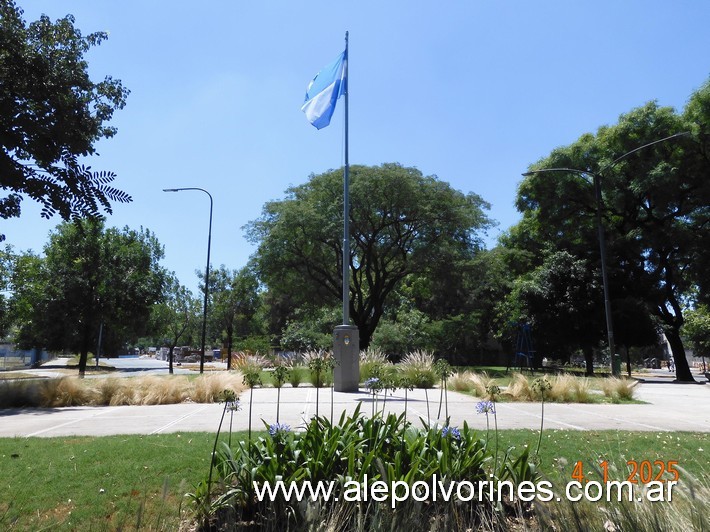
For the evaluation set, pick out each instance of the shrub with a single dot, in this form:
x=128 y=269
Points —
x=618 y=389
x=297 y=375
x=248 y=362
x=418 y=367
x=19 y=394
x=519 y=388
x=208 y=388
x=461 y=382
x=569 y=389
x=114 y=391
x=320 y=365
x=355 y=446
x=371 y=362
x=65 y=391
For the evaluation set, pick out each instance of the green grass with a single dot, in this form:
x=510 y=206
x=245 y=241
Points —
x=561 y=449
x=57 y=482
x=17 y=375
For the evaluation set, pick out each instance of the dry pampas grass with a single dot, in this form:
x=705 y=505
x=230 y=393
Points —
x=115 y=391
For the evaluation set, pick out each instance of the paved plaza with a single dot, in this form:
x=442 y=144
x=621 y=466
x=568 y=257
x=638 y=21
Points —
x=668 y=406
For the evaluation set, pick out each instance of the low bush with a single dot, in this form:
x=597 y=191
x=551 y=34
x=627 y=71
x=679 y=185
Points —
x=354 y=448
x=114 y=391
x=371 y=362
x=296 y=375
x=519 y=388
x=618 y=389
x=461 y=382
x=418 y=368
x=569 y=389
x=246 y=362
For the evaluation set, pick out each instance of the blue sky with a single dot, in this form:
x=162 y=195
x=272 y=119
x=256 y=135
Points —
x=472 y=91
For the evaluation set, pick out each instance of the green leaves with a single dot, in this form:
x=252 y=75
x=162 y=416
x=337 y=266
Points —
x=401 y=222
x=51 y=112
x=353 y=449
x=90 y=275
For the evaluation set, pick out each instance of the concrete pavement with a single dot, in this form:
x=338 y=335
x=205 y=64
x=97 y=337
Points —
x=670 y=407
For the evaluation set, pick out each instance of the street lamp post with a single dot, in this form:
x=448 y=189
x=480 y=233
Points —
x=596 y=181
x=207 y=274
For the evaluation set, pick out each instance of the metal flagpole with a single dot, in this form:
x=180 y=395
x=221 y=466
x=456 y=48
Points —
x=346 y=204
x=346 y=338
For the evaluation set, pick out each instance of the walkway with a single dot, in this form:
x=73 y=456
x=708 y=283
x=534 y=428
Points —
x=671 y=407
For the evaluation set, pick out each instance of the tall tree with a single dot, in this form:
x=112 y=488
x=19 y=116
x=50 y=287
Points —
x=174 y=315
x=655 y=203
x=401 y=222
x=697 y=331
x=560 y=300
x=92 y=276
x=234 y=303
x=6 y=266
x=51 y=114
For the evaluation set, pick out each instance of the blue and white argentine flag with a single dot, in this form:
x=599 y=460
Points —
x=324 y=91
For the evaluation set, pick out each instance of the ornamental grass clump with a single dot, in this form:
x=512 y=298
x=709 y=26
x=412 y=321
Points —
x=296 y=375
x=245 y=361
x=372 y=359
x=418 y=366
x=569 y=389
x=65 y=391
x=208 y=388
x=688 y=509
x=619 y=389
x=114 y=391
x=461 y=382
x=519 y=388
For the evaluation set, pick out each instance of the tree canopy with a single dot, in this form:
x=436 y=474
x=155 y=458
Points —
x=401 y=222
x=656 y=208
x=235 y=299
x=174 y=315
x=89 y=276
x=51 y=114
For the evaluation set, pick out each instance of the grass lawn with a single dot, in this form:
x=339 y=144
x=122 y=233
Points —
x=130 y=482
x=108 y=483
x=17 y=375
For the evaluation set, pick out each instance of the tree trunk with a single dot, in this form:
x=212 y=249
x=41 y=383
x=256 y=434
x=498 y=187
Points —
x=628 y=362
x=682 y=369
x=589 y=361
x=84 y=351
x=83 y=357
x=170 y=360
x=230 y=335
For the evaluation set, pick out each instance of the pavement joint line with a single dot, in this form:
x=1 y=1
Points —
x=67 y=423
x=653 y=427
x=181 y=418
x=304 y=413
x=550 y=417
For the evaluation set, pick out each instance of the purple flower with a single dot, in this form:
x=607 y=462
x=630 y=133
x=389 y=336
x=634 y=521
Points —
x=451 y=431
x=278 y=428
x=485 y=407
